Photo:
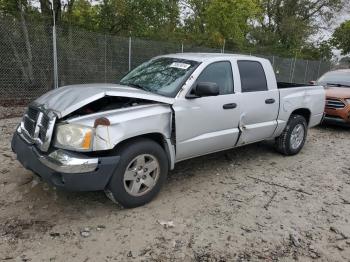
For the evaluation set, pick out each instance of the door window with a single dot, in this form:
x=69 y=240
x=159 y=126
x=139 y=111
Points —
x=253 y=77
x=219 y=73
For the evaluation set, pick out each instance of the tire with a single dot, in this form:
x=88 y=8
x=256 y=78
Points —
x=140 y=161
x=286 y=143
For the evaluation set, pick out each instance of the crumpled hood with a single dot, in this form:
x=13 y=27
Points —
x=67 y=99
x=338 y=92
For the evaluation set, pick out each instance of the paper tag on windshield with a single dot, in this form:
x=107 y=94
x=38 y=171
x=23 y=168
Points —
x=180 y=65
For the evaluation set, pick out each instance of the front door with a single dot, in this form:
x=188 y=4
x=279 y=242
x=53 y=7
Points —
x=208 y=124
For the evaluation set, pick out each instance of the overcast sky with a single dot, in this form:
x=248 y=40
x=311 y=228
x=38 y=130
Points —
x=327 y=33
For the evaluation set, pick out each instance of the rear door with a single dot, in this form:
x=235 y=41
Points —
x=259 y=103
x=208 y=124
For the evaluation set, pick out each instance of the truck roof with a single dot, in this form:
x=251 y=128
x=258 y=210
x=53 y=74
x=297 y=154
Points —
x=345 y=70
x=201 y=57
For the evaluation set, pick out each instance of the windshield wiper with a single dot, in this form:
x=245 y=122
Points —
x=136 y=86
x=337 y=85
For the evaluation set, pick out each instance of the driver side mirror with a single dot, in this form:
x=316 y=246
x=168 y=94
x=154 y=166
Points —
x=204 y=89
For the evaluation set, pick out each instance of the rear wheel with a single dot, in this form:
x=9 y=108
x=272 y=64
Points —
x=292 y=139
x=141 y=171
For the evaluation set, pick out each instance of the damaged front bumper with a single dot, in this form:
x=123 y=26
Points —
x=65 y=162
x=64 y=169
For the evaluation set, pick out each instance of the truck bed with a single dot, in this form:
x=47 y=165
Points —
x=302 y=97
x=281 y=85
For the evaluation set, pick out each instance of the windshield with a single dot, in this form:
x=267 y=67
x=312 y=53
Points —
x=163 y=76
x=337 y=78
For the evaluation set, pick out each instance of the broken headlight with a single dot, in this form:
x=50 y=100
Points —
x=74 y=137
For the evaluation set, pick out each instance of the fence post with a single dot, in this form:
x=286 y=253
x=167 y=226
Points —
x=182 y=46
x=54 y=47
x=292 y=77
x=318 y=71
x=129 y=53
x=105 y=58
x=307 y=65
x=291 y=69
x=223 y=46
x=273 y=62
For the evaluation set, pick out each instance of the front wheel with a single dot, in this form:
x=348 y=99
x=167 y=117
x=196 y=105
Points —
x=141 y=171
x=292 y=139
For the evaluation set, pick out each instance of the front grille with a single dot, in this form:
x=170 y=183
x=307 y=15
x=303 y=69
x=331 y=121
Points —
x=32 y=113
x=334 y=104
x=29 y=125
x=37 y=126
x=45 y=121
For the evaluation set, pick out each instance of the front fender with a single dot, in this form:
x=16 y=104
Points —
x=126 y=123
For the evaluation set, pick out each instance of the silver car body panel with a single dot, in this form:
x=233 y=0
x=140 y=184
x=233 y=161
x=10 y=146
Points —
x=201 y=124
x=67 y=99
x=131 y=122
x=258 y=120
x=126 y=123
x=291 y=99
x=199 y=130
x=253 y=119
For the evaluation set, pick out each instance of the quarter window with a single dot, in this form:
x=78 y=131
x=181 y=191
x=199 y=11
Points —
x=219 y=73
x=253 y=76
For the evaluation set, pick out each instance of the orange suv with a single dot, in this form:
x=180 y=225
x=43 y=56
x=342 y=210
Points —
x=337 y=86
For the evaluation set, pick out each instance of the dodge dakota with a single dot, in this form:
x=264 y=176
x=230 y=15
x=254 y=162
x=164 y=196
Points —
x=124 y=138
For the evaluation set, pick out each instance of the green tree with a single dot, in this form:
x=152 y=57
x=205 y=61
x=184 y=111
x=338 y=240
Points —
x=341 y=37
x=318 y=51
x=145 y=18
x=210 y=22
x=229 y=20
x=16 y=8
x=195 y=18
x=286 y=25
x=81 y=13
x=344 y=62
x=281 y=27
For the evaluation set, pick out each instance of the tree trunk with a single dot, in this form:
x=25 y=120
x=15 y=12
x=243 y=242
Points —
x=16 y=55
x=46 y=9
x=27 y=44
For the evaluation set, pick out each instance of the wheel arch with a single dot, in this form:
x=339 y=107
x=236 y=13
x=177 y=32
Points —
x=304 y=112
x=160 y=139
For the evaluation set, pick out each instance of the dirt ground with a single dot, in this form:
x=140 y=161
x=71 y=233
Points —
x=246 y=204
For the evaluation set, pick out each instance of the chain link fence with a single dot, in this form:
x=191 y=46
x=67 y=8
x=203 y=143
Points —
x=25 y=59
x=26 y=55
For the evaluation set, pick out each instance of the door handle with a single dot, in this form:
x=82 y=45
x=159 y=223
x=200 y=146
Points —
x=270 y=101
x=229 y=106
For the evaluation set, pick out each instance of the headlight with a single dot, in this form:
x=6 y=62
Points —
x=348 y=100
x=72 y=136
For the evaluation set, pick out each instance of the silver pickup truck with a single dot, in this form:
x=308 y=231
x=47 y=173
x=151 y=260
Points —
x=123 y=138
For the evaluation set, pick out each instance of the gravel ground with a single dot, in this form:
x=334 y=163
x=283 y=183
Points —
x=246 y=204
x=8 y=112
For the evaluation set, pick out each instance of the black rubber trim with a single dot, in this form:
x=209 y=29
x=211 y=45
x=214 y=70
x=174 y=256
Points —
x=229 y=106
x=89 y=181
x=270 y=101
